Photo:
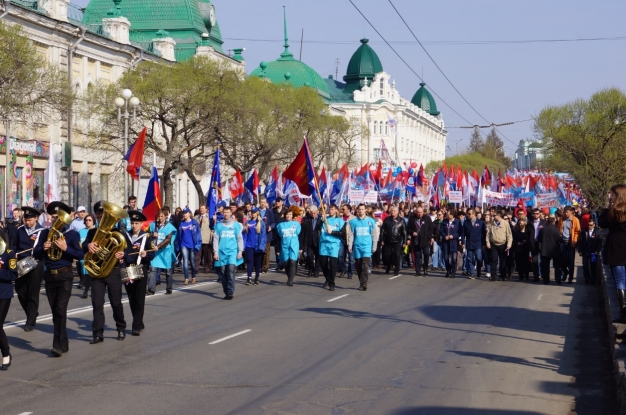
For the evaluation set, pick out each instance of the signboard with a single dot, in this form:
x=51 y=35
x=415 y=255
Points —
x=360 y=196
x=498 y=199
x=371 y=197
x=547 y=200
x=455 y=196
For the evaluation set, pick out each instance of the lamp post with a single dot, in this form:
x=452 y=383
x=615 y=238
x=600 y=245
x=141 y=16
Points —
x=7 y=143
x=123 y=103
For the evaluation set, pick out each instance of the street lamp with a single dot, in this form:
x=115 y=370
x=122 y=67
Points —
x=123 y=103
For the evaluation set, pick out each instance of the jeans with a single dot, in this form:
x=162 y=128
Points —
x=154 y=276
x=498 y=254
x=487 y=259
x=253 y=261
x=189 y=260
x=438 y=259
x=344 y=255
x=226 y=273
x=619 y=275
x=475 y=255
x=568 y=254
x=450 y=260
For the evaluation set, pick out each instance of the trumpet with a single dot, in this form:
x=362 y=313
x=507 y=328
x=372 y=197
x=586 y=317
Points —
x=54 y=253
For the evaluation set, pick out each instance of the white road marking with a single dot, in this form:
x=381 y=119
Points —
x=539 y=298
x=230 y=337
x=25 y=413
x=337 y=298
x=87 y=308
x=393 y=278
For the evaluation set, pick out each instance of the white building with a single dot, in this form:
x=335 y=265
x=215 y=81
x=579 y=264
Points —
x=529 y=155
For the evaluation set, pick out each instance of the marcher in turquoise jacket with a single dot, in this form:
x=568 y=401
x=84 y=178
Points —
x=228 y=251
x=289 y=232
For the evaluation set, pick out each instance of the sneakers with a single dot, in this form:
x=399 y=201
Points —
x=471 y=277
x=249 y=281
x=256 y=282
x=488 y=275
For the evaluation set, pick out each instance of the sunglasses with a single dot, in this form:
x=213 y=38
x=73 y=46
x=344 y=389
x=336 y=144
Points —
x=88 y=220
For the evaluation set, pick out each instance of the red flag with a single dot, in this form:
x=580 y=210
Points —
x=379 y=173
x=134 y=156
x=302 y=172
x=475 y=176
x=236 y=185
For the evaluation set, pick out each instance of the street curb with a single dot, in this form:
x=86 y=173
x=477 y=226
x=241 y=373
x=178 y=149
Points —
x=617 y=336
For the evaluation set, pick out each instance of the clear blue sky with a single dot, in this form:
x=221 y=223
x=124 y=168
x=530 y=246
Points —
x=504 y=82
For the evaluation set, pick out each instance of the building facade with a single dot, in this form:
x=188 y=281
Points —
x=529 y=155
x=96 y=46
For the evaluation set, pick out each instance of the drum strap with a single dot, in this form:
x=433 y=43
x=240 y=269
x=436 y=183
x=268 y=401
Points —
x=143 y=244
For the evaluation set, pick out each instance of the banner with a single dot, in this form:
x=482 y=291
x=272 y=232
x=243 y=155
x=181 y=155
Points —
x=528 y=198
x=455 y=196
x=498 y=199
x=371 y=197
x=547 y=200
x=356 y=196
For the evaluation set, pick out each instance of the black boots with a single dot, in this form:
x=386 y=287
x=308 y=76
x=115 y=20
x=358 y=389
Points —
x=621 y=299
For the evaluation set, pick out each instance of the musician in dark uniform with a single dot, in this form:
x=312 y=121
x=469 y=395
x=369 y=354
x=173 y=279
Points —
x=28 y=286
x=58 y=275
x=8 y=274
x=137 y=243
x=111 y=283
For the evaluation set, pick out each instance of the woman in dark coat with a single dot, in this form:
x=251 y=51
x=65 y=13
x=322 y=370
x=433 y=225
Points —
x=521 y=249
x=613 y=218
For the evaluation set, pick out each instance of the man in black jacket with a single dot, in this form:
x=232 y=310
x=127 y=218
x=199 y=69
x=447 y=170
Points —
x=535 y=224
x=279 y=211
x=550 y=247
x=422 y=234
x=394 y=236
x=589 y=247
x=309 y=241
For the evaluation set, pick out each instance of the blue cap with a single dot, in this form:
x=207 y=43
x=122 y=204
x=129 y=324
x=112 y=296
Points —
x=255 y=209
x=186 y=210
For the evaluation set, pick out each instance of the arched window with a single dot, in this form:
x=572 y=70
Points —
x=382 y=86
x=375 y=127
x=386 y=127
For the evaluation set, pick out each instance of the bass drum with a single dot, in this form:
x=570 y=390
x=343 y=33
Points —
x=131 y=274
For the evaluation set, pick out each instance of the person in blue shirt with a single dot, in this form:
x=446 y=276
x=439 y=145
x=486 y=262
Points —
x=164 y=235
x=362 y=242
x=188 y=242
x=58 y=275
x=227 y=251
x=452 y=233
x=289 y=232
x=255 y=239
x=8 y=274
x=331 y=236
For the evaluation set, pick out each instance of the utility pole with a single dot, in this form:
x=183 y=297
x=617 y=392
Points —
x=336 y=67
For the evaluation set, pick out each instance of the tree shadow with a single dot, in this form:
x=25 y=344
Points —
x=439 y=410
x=551 y=364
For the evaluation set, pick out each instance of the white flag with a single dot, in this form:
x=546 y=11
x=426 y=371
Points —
x=51 y=183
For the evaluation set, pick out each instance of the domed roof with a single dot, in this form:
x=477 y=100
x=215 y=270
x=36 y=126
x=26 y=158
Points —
x=364 y=63
x=286 y=69
x=425 y=100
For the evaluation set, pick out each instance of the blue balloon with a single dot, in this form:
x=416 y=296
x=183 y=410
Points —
x=398 y=170
x=411 y=171
x=394 y=174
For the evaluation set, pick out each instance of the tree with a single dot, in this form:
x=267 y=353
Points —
x=476 y=142
x=31 y=91
x=587 y=138
x=494 y=148
x=469 y=162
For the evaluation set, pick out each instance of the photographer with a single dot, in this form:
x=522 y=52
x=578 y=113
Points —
x=613 y=218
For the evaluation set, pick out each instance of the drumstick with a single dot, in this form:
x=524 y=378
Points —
x=149 y=250
x=26 y=250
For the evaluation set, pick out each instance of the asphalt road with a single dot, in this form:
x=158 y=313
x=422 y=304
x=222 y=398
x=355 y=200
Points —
x=410 y=345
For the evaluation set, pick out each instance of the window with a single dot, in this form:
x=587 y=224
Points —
x=376 y=154
x=382 y=86
x=104 y=187
x=375 y=127
x=386 y=127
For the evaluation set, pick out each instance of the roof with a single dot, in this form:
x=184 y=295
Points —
x=183 y=19
x=287 y=69
x=364 y=63
x=337 y=91
x=424 y=99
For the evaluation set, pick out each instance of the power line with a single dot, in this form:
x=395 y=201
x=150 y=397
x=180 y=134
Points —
x=444 y=75
x=493 y=125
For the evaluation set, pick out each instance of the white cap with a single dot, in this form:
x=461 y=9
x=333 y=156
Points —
x=81 y=209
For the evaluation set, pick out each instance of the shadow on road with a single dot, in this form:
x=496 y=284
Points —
x=439 y=410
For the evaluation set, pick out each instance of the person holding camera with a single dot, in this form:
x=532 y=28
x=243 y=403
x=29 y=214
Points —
x=613 y=218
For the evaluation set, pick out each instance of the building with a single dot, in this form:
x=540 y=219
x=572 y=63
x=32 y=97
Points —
x=529 y=155
x=397 y=130
x=97 y=45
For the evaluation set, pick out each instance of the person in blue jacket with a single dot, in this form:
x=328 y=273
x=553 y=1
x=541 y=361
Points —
x=289 y=232
x=227 y=251
x=452 y=233
x=164 y=236
x=331 y=236
x=255 y=239
x=362 y=242
x=188 y=242
x=8 y=274
x=473 y=231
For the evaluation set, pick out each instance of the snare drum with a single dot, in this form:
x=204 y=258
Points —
x=131 y=273
x=26 y=265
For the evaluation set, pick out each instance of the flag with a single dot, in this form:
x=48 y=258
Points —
x=379 y=173
x=236 y=185
x=302 y=172
x=323 y=184
x=51 y=182
x=214 y=196
x=270 y=187
x=134 y=156
x=392 y=125
x=419 y=180
x=486 y=179
x=153 y=202
x=252 y=185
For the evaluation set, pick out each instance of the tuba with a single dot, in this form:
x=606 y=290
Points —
x=100 y=264
x=54 y=253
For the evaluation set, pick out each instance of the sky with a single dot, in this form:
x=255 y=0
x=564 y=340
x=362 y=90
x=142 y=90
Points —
x=482 y=46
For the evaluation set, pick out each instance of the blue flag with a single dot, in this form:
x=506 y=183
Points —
x=214 y=196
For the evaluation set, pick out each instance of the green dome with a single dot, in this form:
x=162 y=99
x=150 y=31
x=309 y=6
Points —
x=286 y=69
x=425 y=100
x=365 y=63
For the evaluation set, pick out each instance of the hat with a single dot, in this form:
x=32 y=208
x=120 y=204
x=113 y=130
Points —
x=54 y=207
x=136 y=216
x=30 y=212
x=254 y=209
x=97 y=207
x=81 y=209
x=186 y=210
